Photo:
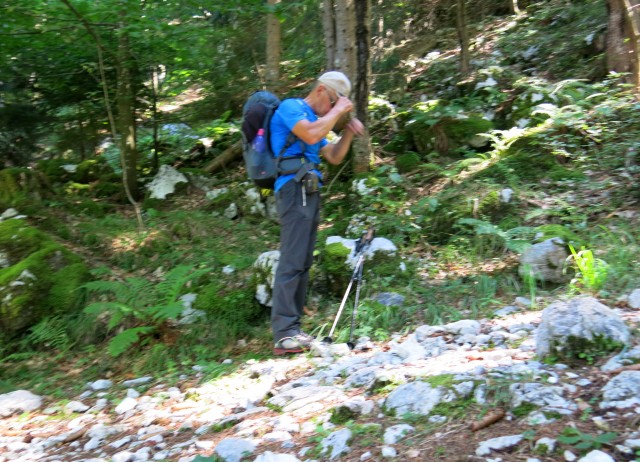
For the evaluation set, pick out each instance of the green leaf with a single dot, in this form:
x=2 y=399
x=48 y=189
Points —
x=116 y=319
x=168 y=311
x=606 y=437
x=200 y=458
x=123 y=341
x=567 y=439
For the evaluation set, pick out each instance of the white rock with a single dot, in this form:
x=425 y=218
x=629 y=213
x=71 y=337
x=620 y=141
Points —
x=389 y=451
x=165 y=181
x=497 y=444
x=273 y=457
x=101 y=384
x=123 y=456
x=125 y=405
x=597 y=456
x=136 y=382
x=395 y=433
x=634 y=299
x=76 y=406
x=19 y=401
x=569 y=456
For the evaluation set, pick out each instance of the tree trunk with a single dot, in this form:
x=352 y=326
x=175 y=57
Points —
x=513 y=7
x=347 y=31
x=345 y=59
x=155 y=91
x=632 y=23
x=463 y=36
x=617 y=50
x=329 y=27
x=229 y=155
x=126 y=120
x=273 y=51
x=121 y=63
x=82 y=137
x=362 y=149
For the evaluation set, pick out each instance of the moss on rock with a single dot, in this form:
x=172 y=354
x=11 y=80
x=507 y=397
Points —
x=407 y=162
x=41 y=279
x=19 y=186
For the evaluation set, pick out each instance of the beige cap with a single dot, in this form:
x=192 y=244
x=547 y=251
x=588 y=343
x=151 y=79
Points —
x=336 y=81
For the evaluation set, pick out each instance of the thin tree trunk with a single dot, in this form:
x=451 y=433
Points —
x=632 y=15
x=513 y=7
x=155 y=91
x=617 y=50
x=126 y=119
x=329 y=27
x=107 y=102
x=345 y=20
x=463 y=36
x=273 y=53
x=83 y=138
x=362 y=149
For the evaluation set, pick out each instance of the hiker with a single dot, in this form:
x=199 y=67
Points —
x=298 y=197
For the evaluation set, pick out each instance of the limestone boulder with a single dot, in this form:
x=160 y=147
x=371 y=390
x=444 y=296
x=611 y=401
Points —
x=580 y=328
x=545 y=261
x=38 y=278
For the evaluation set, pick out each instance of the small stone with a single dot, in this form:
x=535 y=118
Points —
x=127 y=404
x=389 y=451
x=569 y=456
x=102 y=384
x=76 y=406
x=136 y=382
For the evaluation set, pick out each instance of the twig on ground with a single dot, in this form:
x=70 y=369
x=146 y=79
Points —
x=630 y=367
x=487 y=420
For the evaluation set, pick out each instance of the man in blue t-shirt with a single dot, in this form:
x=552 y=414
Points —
x=310 y=119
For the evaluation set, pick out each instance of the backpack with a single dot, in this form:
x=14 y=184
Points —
x=262 y=167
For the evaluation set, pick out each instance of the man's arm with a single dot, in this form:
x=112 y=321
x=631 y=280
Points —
x=314 y=132
x=334 y=153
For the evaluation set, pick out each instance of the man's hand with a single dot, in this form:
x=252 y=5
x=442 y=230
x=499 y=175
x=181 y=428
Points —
x=355 y=126
x=343 y=105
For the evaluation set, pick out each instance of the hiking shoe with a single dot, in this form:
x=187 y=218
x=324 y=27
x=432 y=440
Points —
x=295 y=344
x=304 y=338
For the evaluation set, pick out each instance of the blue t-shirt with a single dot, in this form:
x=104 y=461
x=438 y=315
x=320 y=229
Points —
x=289 y=113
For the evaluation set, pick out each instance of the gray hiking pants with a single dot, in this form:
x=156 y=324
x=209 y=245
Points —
x=298 y=231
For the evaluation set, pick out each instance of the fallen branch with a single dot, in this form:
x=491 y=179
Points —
x=631 y=367
x=232 y=153
x=487 y=420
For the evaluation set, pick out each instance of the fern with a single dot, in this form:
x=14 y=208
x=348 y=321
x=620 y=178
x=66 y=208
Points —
x=50 y=333
x=169 y=289
x=123 y=341
x=162 y=313
x=133 y=291
x=120 y=291
x=140 y=300
x=516 y=239
x=117 y=311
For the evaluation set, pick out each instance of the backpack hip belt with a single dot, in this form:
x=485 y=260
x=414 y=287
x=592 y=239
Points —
x=294 y=164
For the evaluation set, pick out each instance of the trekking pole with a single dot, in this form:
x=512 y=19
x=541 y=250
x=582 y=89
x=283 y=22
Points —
x=361 y=246
x=350 y=343
x=365 y=242
x=329 y=338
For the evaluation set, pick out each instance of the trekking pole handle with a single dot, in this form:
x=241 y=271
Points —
x=369 y=236
x=364 y=240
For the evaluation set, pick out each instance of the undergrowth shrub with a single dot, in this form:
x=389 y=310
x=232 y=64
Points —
x=137 y=307
x=407 y=162
x=230 y=311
